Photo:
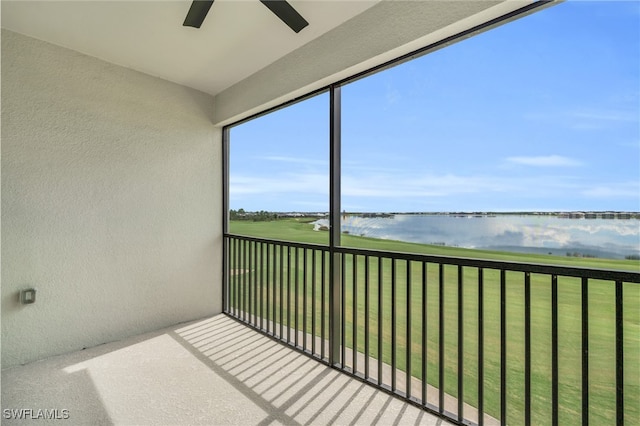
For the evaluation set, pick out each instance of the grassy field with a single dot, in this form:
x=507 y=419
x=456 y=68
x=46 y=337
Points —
x=301 y=231
x=601 y=323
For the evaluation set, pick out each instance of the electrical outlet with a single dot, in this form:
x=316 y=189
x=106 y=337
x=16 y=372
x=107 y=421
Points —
x=28 y=296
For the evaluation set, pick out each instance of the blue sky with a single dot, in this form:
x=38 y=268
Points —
x=542 y=113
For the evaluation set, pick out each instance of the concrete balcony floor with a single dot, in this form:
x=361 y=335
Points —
x=214 y=371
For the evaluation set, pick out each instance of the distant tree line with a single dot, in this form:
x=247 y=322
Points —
x=261 y=216
x=578 y=254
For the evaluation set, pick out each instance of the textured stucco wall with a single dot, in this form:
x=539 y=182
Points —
x=111 y=189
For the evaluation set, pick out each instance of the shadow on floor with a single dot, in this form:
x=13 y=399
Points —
x=214 y=371
x=290 y=387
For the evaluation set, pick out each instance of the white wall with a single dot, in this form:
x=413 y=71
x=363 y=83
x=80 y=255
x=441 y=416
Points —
x=111 y=192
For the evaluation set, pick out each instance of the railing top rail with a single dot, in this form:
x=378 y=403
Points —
x=310 y=246
x=568 y=271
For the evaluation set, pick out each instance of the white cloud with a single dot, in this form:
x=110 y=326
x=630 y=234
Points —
x=287 y=183
x=619 y=227
x=586 y=119
x=424 y=191
x=316 y=205
x=545 y=161
x=420 y=186
x=294 y=160
x=624 y=189
x=606 y=115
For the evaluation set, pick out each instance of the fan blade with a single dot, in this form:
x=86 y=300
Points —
x=286 y=13
x=197 y=12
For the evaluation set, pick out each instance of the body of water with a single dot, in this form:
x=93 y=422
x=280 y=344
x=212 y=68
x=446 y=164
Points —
x=604 y=238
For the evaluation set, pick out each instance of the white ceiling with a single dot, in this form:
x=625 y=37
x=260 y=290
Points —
x=237 y=39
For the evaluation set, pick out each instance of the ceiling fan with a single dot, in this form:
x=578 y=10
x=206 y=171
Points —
x=283 y=10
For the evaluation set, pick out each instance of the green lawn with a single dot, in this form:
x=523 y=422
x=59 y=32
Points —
x=301 y=231
x=601 y=323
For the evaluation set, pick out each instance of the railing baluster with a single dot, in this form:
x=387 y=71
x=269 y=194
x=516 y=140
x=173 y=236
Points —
x=336 y=307
x=554 y=350
x=323 y=303
x=260 y=254
x=239 y=276
x=267 y=274
x=313 y=301
x=281 y=285
x=304 y=299
x=527 y=348
x=226 y=265
x=408 y=331
x=619 y=357
x=380 y=320
x=367 y=301
x=255 y=284
x=232 y=277
x=424 y=333
x=253 y=263
x=274 y=312
x=264 y=279
x=585 y=351
x=393 y=325
x=480 y=347
x=289 y=294
x=460 y=344
x=247 y=282
x=261 y=298
x=441 y=338
x=245 y=273
x=354 y=313
x=238 y=280
x=343 y=315
x=296 y=311
x=503 y=347
x=264 y=283
x=251 y=279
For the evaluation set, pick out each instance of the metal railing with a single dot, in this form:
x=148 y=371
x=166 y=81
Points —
x=474 y=341
x=280 y=289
